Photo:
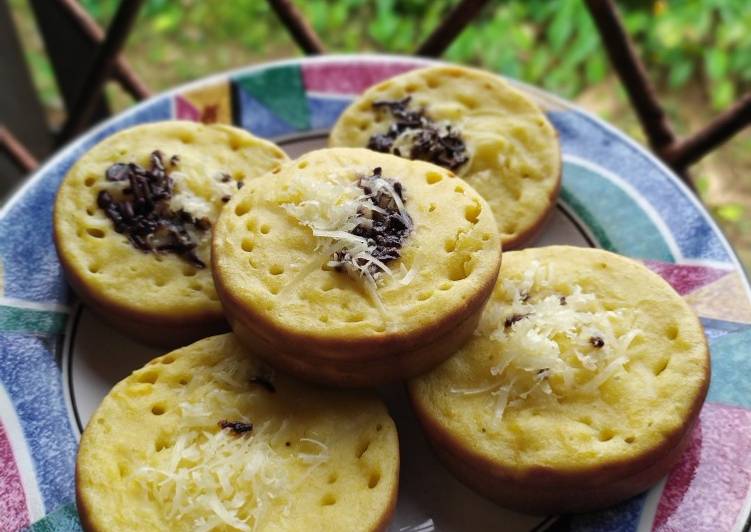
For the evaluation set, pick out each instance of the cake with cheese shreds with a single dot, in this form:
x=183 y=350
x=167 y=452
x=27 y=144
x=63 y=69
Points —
x=354 y=268
x=472 y=123
x=209 y=438
x=133 y=221
x=579 y=388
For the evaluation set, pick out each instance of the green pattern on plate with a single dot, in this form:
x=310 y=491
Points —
x=581 y=211
x=608 y=210
x=281 y=90
x=14 y=319
x=64 y=519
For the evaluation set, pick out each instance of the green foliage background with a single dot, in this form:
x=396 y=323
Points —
x=551 y=43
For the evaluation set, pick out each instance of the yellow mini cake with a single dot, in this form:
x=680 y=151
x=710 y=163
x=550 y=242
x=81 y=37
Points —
x=579 y=388
x=207 y=438
x=353 y=267
x=133 y=220
x=472 y=123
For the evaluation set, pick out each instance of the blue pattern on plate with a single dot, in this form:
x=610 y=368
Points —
x=34 y=383
x=587 y=138
x=621 y=518
x=31 y=269
x=324 y=111
x=714 y=329
x=731 y=368
x=30 y=265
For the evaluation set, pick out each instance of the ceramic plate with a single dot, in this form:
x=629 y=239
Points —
x=57 y=359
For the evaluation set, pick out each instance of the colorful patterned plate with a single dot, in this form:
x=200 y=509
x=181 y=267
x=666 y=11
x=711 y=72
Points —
x=57 y=359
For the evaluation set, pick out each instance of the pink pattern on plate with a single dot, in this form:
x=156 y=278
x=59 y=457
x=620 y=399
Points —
x=707 y=489
x=184 y=110
x=685 y=278
x=13 y=512
x=349 y=78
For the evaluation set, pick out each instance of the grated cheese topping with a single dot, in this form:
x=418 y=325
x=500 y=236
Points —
x=183 y=198
x=550 y=344
x=334 y=212
x=215 y=479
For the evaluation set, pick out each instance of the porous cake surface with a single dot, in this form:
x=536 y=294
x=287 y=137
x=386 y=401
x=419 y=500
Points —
x=583 y=361
x=207 y=438
x=287 y=254
x=205 y=164
x=510 y=151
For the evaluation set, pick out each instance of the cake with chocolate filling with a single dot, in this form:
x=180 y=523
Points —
x=209 y=438
x=472 y=123
x=133 y=221
x=353 y=267
x=578 y=390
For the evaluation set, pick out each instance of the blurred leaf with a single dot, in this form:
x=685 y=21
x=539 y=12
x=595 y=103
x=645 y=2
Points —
x=383 y=27
x=636 y=21
x=584 y=44
x=537 y=65
x=165 y=21
x=596 y=68
x=702 y=186
x=723 y=94
x=668 y=32
x=680 y=73
x=563 y=24
x=732 y=212
x=716 y=63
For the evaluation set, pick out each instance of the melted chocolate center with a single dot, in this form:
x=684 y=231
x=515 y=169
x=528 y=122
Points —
x=143 y=212
x=428 y=141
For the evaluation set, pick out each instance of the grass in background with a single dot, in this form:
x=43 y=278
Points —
x=698 y=53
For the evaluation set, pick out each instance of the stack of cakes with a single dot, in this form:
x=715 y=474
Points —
x=549 y=387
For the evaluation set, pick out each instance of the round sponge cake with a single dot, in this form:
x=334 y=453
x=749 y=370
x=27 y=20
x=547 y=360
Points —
x=132 y=224
x=353 y=267
x=474 y=123
x=579 y=388
x=207 y=438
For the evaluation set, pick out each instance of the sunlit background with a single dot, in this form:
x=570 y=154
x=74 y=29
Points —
x=698 y=54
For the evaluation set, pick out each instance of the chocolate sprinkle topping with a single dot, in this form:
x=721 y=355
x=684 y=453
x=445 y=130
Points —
x=263 y=381
x=513 y=319
x=387 y=230
x=597 y=342
x=238 y=427
x=143 y=214
x=430 y=142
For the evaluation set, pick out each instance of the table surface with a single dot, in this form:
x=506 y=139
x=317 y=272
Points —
x=615 y=195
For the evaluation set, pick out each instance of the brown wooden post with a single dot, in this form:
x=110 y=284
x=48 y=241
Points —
x=450 y=28
x=632 y=74
x=689 y=150
x=20 y=108
x=117 y=34
x=17 y=151
x=303 y=34
x=121 y=72
x=69 y=52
